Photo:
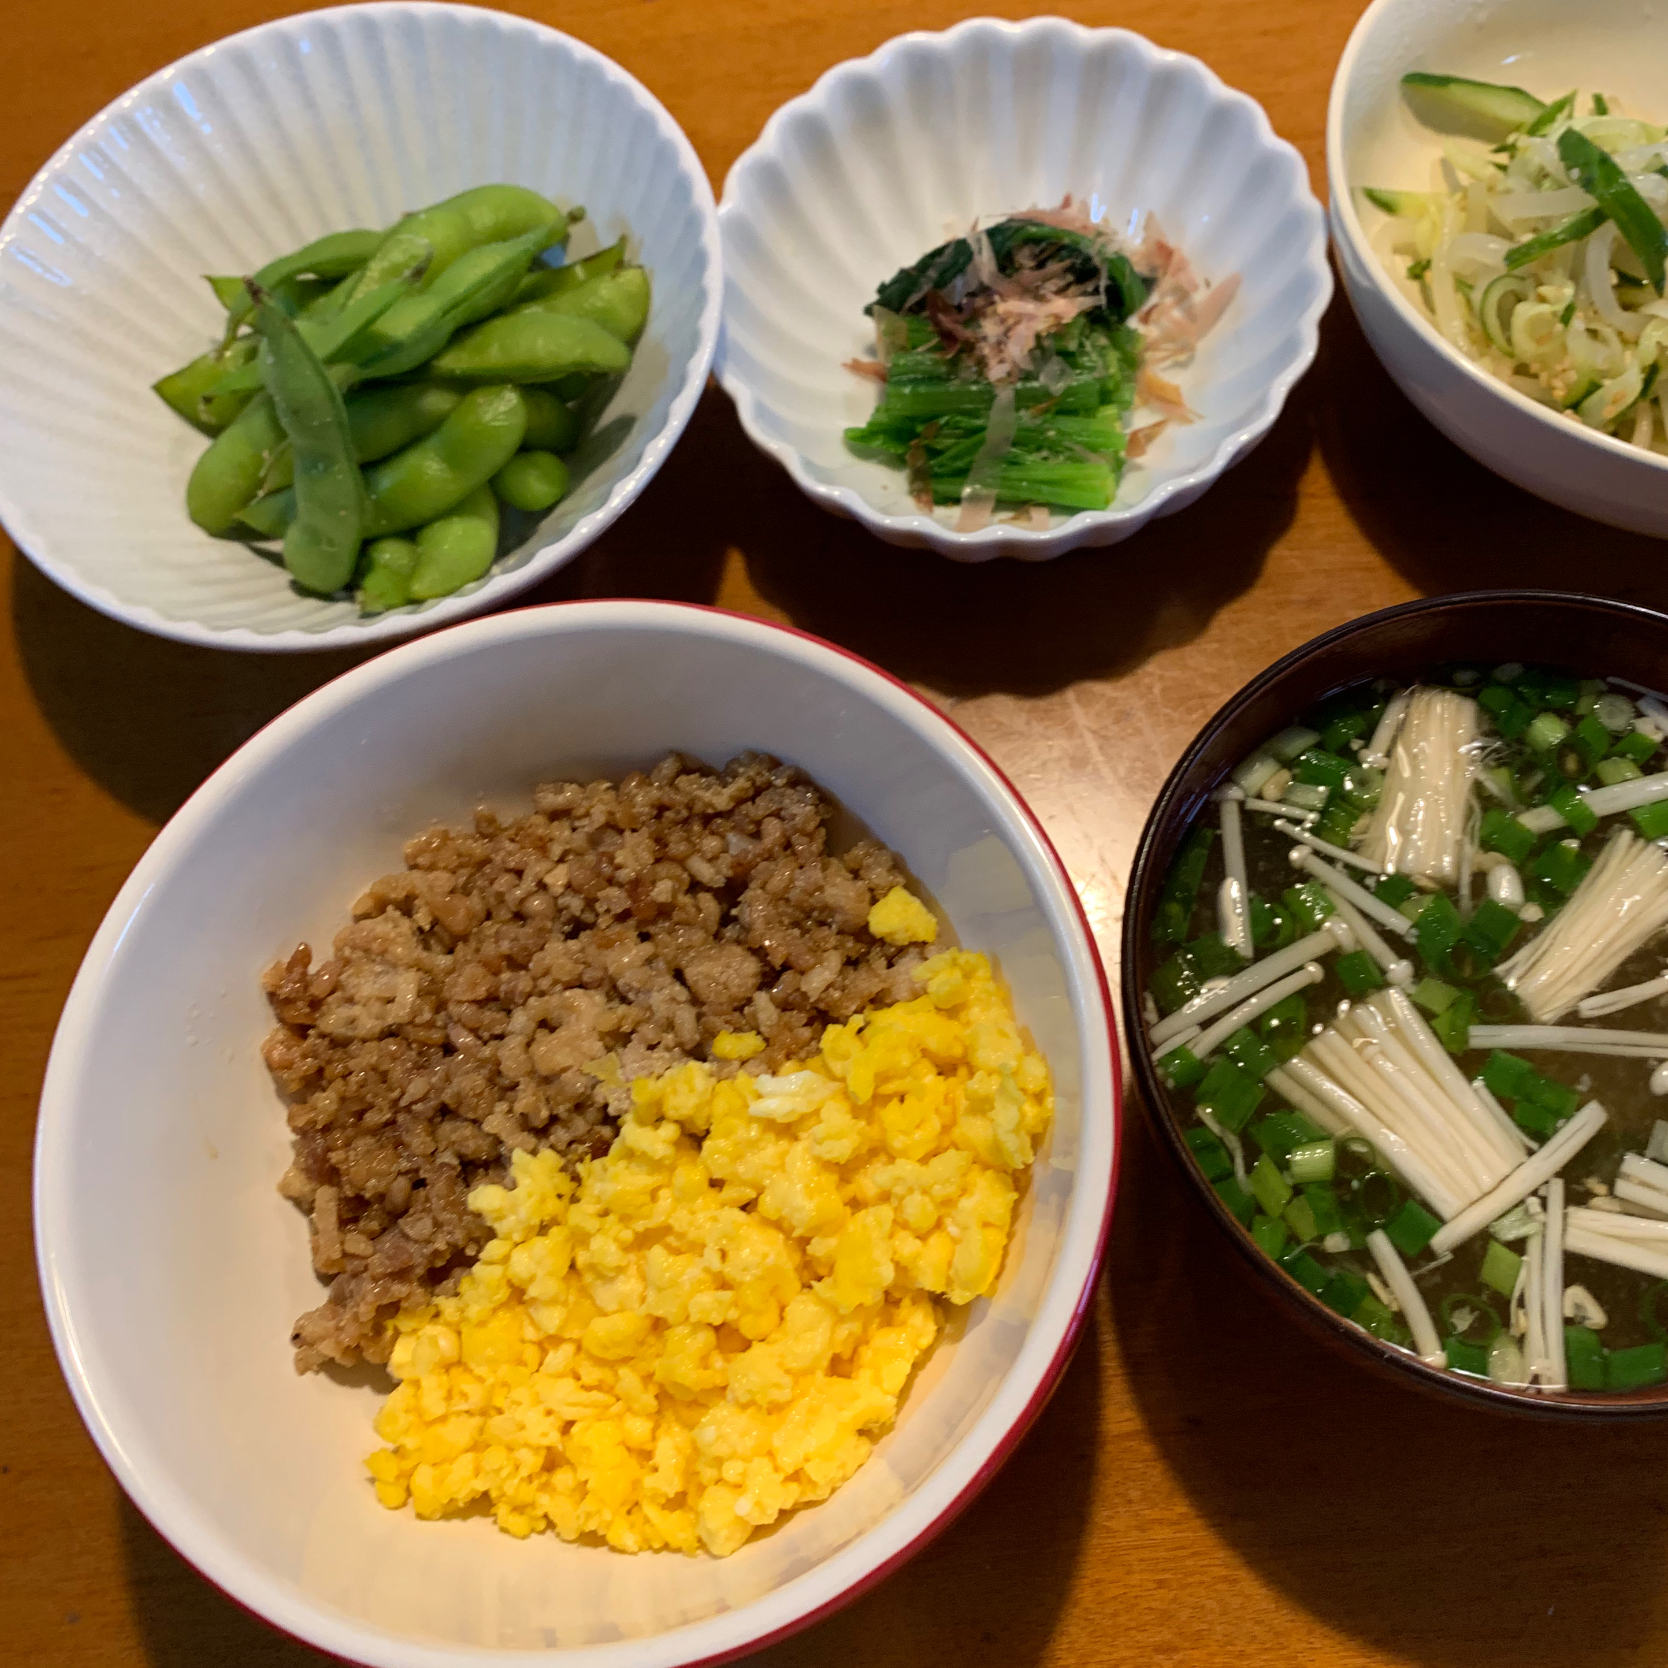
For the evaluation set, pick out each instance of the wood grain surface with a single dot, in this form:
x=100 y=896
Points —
x=1207 y=1486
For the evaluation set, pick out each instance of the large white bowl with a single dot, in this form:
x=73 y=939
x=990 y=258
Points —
x=172 y=1269
x=257 y=144
x=886 y=156
x=1548 y=46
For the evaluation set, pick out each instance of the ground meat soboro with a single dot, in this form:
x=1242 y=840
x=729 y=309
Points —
x=502 y=990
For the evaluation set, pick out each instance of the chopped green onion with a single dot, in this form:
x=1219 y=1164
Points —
x=1289 y=743
x=1394 y=890
x=1319 y=769
x=1270 y=1234
x=1412 y=1228
x=1651 y=820
x=1213 y=958
x=1548 y=689
x=1617 y=769
x=1453 y=1025
x=1433 y=996
x=1535 y=1120
x=1208 y=1152
x=1633 y=1369
x=1635 y=745
x=1181 y=886
x=1511 y=716
x=1181 y=1068
x=1500 y=1266
x=1358 y=973
x=1250 y=1053
x=1466 y=1358
x=1285 y=1026
x=1563 y=867
x=1503 y=833
x=1508 y=1076
x=1323 y=1206
x=1567 y=801
x=1490 y=929
x=1280 y=1132
x=1477 y=1309
x=1272 y=927
x=1343 y=1293
x=1557 y=1098
x=1590 y=741
x=1175 y=982
x=1229 y=1094
x=1305 y=1270
x=1437 y=931
x=1374 y=1317
x=1546 y=732
x=1315 y=1161
x=1648 y=1301
x=1299 y=1216
x=1350 y=726
x=1272 y=1189
x=1377 y=1197
x=1584 y=1355
x=1307 y=796
x=1309 y=904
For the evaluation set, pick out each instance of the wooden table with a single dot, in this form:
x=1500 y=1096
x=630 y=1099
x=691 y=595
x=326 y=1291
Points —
x=1207 y=1486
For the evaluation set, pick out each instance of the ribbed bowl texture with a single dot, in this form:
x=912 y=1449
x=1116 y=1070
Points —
x=253 y=146
x=889 y=155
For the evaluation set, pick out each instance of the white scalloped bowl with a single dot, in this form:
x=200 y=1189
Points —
x=888 y=155
x=172 y=1268
x=1372 y=138
x=249 y=147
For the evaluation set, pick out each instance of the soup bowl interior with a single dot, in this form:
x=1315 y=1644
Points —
x=1585 y=634
x=172 y=1269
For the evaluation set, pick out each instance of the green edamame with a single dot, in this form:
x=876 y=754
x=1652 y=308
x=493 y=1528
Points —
x=334 y=255
x=321 y=544
x=190 y=389
x=381 y=421
x=483 y=214
x=385 y=576
x=531 y=481
x=456 y=548
x=553 y=280
x=428 y=479
x=617 y=300
x=552 y=426
x=531 y=346
x=228 y=475
x=477 y=283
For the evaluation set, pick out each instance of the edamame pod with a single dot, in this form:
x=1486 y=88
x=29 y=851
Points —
x=385 y=581
x=189 y=389
x=321 y=544
x=532 y=481
x=531 y=346
x=456 y=548
x=617 y=300
x=228 y=475
x=483 y=214
x=552 y=426
x=334 y=255
x=553 y=280
x=421 y=325
x=381 y=421
x=482 y=433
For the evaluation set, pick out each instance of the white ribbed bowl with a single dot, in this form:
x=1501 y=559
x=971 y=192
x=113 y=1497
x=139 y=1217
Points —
x=886 y=156
x=254 y=145
x=1548 y=46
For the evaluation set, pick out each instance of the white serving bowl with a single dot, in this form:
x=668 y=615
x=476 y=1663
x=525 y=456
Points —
x=250 y=147
x=886 y=156
x=1548 y=46
x=172 y=1269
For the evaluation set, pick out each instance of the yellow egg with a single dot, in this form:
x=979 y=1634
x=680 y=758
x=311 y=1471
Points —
x=713 y=1323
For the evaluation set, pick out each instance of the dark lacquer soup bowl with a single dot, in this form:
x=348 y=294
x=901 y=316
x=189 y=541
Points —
x=1591 y=1357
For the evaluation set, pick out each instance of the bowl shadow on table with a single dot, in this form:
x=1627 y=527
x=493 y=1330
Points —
x=1002 y=1572
x=1432 y=1533
x=149 y=719
x=1004 y=625
x=1439 y=517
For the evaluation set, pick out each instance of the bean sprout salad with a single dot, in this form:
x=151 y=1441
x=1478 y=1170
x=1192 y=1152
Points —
x=1539 y=249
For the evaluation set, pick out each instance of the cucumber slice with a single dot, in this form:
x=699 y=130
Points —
x=1585 y=392
x=1495 y=305
x=1485 y=110
x=1406 y=205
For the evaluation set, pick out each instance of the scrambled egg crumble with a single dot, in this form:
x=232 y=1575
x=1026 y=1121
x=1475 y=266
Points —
x=715 y=1322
